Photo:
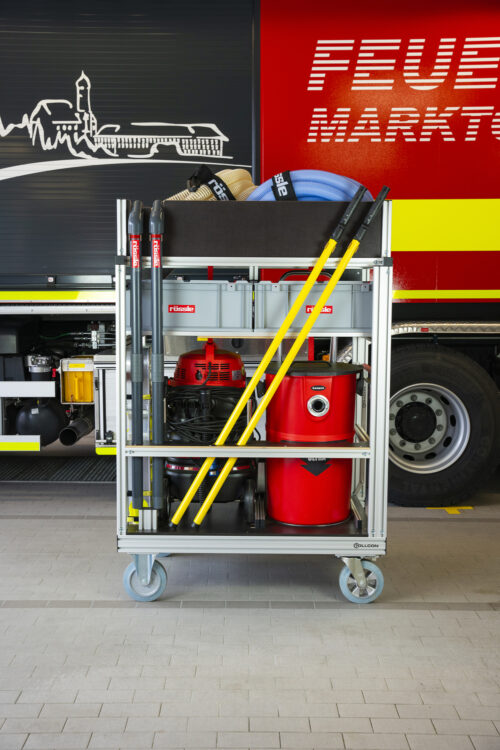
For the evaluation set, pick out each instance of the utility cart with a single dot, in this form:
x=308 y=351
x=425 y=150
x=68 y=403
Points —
x=196 y=270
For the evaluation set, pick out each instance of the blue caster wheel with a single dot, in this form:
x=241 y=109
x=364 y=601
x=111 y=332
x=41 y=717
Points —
x=374 y=584
x=140 y=592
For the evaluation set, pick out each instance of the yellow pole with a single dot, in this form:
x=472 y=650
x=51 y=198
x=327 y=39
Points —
x=332 y=283
x=273 y=347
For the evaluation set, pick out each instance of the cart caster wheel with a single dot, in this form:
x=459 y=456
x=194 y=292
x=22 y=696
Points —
x=138 y=591
x=374 y=584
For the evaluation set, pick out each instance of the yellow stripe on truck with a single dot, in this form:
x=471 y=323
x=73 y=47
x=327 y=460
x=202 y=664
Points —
x=446 y=225
x=446 y=294
x=97 y=295
x=106 y=450
x=9 y=446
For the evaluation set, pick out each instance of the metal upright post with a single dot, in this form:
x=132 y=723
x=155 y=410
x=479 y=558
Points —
x=156 y=230
x=135 y=229
x=120 y=324
x=380 y=385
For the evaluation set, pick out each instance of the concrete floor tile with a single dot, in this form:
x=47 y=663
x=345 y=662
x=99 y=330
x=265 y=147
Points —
x=48 y=696
x=12 y=741
x=66 y=710
x=439 y=742
x=314 y=740
x=98 y=724
x=11 y=696
x=56 y=741
x=491 y=713
x=117 y=710
x=113 y=740
x=359 y=741
x=391 y=696
x=13 y=710
x=465 y=726
x=340 y=725
x=185 y=739
x=452 y=699
x=279 y=724
x=485 y=743
x=30 y=725
x=426 y=711
x=369 y=710
x=489 y=699
x=217 y=724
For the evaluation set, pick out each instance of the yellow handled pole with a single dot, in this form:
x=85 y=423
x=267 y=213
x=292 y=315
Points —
x=332 y=283
x=273 y=347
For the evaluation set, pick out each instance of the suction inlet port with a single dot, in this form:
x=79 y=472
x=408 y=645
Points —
x=318 y=406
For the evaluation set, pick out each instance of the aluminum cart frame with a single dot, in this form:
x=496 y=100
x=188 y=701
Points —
x=360 y=581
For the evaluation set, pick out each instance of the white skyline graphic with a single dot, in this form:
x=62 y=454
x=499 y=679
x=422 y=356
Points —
x=58 y=123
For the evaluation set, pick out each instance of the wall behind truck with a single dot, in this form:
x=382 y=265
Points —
x=170 y=70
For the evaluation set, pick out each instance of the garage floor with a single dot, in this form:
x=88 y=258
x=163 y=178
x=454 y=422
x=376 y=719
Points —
x=245 y=652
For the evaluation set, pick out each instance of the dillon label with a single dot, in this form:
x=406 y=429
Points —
x=318 y=387
x=327 y=310
x=182 y=308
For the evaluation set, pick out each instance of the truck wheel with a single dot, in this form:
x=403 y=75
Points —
x=444 y=429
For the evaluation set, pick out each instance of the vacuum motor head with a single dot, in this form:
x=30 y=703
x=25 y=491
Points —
x=209 y=366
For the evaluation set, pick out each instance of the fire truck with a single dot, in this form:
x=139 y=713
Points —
x=384 y=95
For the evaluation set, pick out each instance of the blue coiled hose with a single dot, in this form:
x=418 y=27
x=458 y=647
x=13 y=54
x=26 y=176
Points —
x=313 y=185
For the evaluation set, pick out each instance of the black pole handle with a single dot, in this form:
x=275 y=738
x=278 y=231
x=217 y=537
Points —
x=372 y=212
x=346 y=216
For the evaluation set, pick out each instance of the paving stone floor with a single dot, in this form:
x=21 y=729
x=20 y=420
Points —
x=243 y=651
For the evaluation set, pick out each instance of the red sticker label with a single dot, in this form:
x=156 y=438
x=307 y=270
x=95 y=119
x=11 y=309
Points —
x=327 y=310
x=182 y=308
x=156 y=242
x=135 y=251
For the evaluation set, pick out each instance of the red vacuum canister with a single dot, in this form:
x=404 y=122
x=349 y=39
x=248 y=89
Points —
x=313 y=404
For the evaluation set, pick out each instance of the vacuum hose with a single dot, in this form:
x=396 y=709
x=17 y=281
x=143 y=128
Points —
x=239 y=182
x=313 y=185
x=77 y=429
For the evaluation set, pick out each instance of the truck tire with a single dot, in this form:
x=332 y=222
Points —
x=444 y=429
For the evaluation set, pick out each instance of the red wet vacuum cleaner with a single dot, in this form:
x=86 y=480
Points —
x=206 y=386
x=314 y=404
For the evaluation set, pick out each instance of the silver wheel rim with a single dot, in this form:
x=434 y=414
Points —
x=444 y=443
x=145 y=590
x=355 y=590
